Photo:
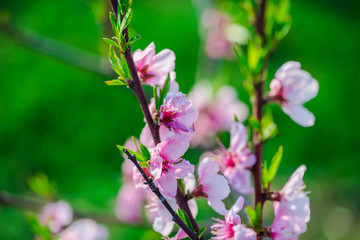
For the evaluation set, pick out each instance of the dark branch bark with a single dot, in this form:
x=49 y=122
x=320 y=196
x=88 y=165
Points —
x=150 y=182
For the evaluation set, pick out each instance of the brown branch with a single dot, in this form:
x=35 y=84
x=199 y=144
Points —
x=150 y=182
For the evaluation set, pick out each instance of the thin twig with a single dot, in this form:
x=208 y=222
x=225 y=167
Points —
x=150 y=182
x=36 y=205
x=58 y=50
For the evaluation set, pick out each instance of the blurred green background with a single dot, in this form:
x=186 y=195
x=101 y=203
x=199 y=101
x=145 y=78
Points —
x=64 y=121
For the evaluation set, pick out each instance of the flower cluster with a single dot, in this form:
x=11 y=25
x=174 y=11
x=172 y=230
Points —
x=58 y=216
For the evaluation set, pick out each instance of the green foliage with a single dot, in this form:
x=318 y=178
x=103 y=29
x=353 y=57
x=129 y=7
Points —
x=124 y=6
x=269 y=128
x=254 y=123
x=142 y=154
x=41 y=232
x=268 y=174
x=254 y=216
x=159 y=98
x=202 y=231
x=182 y=214
x=120 y=67
x=41 y=185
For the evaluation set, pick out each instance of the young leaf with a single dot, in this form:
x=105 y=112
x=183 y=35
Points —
x=275 y=162
x=111 y=42
x=202 y=231
x=251 y=215
x=113 y=23
x=156 y=97
x=134 y=39
x=236 y=119
x=164 y=91
x=116 y=82
x=254 y=123
x=265 y=175
x=138 y=156
x=41 y=185
x=125 y=5
x=145 y=152
x=182 y=214
x=42 y=232
x=126 y=20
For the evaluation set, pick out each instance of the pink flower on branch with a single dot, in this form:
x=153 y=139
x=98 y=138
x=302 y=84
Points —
x=166 y=165
x=292 y=87
x=84 y=229
x=231 y=228
x=130 y=199
x=211 y=185
x=235 y=163
x=215 y=113
x=178 y=113
x=56 y=215
x=152 y=68
x=292 y=212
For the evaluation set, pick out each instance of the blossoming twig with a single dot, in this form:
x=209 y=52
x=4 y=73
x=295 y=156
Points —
x=150 y=182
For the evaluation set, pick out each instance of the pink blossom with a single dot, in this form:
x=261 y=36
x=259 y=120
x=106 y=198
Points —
x=56 y=215
x=178 y=113
x=166 y=164
x=159 y=215
x=235 y=163
x=231 y=228
x=211 y=185
x=154 y=69
x=215 y=113
x=84 y=229
x=292 y=212
x=162 y=219
x=130 y=199
x=292 y=87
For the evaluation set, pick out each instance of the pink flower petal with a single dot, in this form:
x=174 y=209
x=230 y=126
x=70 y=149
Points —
x=299 y=114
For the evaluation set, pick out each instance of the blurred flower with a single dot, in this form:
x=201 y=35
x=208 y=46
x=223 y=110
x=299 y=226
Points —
x=231 y=228
x=159 y=215
x=56 y=215
x=166 y=165
x=178 y=113
x=293 y=211
x=216 y=114
x=130 y=199
x=222 y=34
x=84 y=229
x=236 y=161
x=154 y=69
x=292 y=87
x=211 y=185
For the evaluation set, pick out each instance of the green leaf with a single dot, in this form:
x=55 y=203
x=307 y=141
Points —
x=125 y=5
x=138 y=156
x=111 y=42
x=202 y=231
x=116 y=82
x=41 y=185
x=113 y=23
x=265 y=175
x=254 y=123
x=236 y=119
x=156 y=97
x=126 y=20
x=269 y=129
x=134 y=39
x=241 y=55
x=145 y=152
x=42 y=232
x=182 y=214
x=250 y=212
x=275 y=162
x=164 y=91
